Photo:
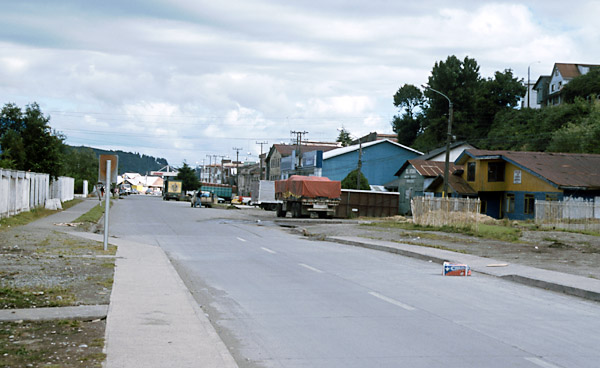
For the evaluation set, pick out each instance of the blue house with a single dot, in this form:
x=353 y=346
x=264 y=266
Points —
x=380 y=161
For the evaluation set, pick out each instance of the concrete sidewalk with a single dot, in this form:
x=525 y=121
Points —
x=580 y=286
x=153 y=320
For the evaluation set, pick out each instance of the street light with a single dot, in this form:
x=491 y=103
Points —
x=449 y=135
x=528 y=85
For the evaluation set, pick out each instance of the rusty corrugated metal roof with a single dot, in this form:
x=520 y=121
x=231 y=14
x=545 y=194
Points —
x=565 y=170
x=569 y=71
x=432 y=168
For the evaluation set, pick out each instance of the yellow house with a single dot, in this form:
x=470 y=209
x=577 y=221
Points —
x=509 y=182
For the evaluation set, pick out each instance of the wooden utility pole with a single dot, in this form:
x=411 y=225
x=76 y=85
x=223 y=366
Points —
x=298 y=144
x=359 y=164
x=260 y=159
x=237 y=168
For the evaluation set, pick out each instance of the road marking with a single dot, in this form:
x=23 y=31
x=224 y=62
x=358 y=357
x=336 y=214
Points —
x=541 y=363
x=392 y=301
x=268 y=250
x=242 y=240
x=310 y=268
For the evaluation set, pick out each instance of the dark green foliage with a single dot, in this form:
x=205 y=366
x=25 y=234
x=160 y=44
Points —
x=81 y=164
x=349 y=181
x=133 y=162
x=188 y=178
x=476 y=101
x=582 y=137
x=28 y=142
x=408 y=125
x=585 y=86
x=533 y=129
x=344 y=137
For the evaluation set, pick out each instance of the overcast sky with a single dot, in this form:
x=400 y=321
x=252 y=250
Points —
x=183 y=79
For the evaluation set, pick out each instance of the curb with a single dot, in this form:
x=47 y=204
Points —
x=552 y=286
x=82 y=313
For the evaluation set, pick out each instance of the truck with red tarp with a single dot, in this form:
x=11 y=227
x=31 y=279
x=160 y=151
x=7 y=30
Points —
x=303 y=195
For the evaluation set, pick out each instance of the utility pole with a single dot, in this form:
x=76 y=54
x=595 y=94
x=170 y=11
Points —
x=359 y=164
x=298 y=144
x=237 y=169
x=260 y=158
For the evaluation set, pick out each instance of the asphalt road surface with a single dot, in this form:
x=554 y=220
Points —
x=279 y=300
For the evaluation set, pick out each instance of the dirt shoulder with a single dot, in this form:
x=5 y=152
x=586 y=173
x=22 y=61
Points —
x=41 y=266
x=571 y=253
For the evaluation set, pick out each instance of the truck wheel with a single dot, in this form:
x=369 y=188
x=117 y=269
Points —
x=280 y=211
x=296 y=212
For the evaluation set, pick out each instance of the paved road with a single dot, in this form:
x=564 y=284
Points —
x=278 y=300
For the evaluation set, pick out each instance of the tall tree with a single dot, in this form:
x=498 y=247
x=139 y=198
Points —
x=407 y=125
x=188 y=178
x=28 y=140
x=344 y=137
x=81 y=164
x=460 y=81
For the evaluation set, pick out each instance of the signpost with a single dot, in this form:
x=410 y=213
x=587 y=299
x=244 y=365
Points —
x=107 y=174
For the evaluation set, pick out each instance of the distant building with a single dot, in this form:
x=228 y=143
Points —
x=549 y=87
x=280 y=151
x=380 y=160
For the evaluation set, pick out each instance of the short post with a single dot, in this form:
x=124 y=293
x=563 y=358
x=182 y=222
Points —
x=107 y=191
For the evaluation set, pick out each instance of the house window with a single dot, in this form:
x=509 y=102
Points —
x=552 y=196
x=471 y=171
x=510 y=203
x=495 y=171
x=529 y=204
x=483 y=207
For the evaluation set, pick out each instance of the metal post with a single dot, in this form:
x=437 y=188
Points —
x=448 y=137
x=107 y=204
x=359 y=164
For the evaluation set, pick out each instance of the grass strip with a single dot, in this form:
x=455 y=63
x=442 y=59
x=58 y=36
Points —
x=494 y=232
x=27 y=217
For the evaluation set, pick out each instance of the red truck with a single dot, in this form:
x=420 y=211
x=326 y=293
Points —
x=303 y=195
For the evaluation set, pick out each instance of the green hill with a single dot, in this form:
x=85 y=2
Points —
x=132 y=162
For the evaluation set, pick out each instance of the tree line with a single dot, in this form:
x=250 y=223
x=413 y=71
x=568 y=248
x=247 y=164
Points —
x=28 y=143
x=486 y=114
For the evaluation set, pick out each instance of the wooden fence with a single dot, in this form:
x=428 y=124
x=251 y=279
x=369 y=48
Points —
x=572 y=214
x=461 y=212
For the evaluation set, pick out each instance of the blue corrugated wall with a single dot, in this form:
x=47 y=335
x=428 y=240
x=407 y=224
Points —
x=379 y=163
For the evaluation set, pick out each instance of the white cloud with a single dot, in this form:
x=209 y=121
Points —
x=189 y=78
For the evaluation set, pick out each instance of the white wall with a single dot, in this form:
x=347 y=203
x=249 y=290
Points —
x=22 y=191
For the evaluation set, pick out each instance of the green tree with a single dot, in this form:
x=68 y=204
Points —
x=532 y=129
x=584 y=86
x=407 y=125
x=580 y=137
x=349 y=181
x=28 y=140
x=188 y=178
x=81 y=164
x=344 y=137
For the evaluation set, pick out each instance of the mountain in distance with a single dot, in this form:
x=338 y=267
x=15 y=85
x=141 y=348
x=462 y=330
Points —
x=132 y=162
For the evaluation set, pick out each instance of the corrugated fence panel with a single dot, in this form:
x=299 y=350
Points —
x=367 y=204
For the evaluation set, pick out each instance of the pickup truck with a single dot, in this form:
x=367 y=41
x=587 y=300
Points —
x=200 y=198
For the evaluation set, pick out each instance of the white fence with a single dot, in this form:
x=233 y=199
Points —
x=446 y=211
x=22 y=191
x=572 y=213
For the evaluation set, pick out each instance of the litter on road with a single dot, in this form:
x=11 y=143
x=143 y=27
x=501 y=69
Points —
x=456 y=269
